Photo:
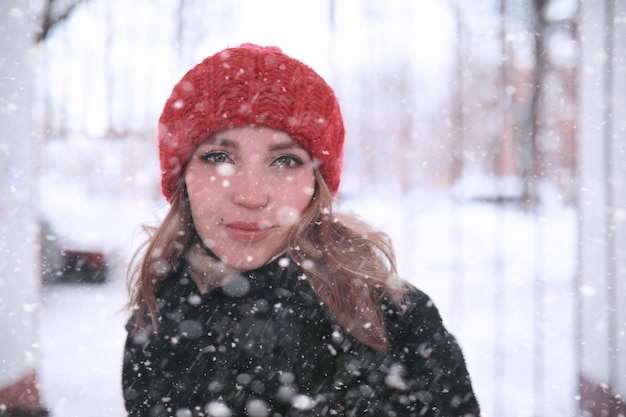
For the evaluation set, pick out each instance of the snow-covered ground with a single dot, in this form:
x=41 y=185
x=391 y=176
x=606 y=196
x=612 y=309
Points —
x=503 y=279
x=81 y=341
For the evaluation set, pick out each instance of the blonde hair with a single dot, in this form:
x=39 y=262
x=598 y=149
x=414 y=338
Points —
x=350 y=266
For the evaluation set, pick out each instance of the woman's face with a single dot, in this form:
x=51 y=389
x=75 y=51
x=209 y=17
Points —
x=247 y=188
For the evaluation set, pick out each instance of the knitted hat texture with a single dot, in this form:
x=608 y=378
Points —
x=250 y=85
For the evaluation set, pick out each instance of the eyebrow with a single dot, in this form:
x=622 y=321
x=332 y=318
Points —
x=285 y=146
x=228 y=143
x=215 y=140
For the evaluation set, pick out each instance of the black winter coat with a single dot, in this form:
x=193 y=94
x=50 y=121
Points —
x=264 y=345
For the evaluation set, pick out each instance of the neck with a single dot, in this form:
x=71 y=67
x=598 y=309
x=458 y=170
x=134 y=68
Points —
x=207 y=271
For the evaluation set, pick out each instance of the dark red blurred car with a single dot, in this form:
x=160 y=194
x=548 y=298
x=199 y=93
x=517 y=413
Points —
x=60 y=264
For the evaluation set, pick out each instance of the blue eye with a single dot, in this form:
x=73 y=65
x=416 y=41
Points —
x=287 y=161
x=216 y=157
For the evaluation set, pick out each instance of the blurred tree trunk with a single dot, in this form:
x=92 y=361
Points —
x=602 y=198
x=458 y=122
x=504 y=150
x=531 y=161
x=52 y=18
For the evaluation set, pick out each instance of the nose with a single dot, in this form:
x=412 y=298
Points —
x=249 y=190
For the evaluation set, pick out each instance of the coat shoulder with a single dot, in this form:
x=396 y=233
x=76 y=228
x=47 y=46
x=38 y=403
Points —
x=414 y=313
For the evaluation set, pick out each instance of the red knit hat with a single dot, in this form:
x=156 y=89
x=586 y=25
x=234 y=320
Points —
x=249 y=85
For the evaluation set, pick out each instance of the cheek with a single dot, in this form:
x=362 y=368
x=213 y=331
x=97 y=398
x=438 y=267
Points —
x=203 y=199
x=288 y=216
x=294 y=190
x=201 y=181
x=303 y=195
x=304 y=190
x=293 y=199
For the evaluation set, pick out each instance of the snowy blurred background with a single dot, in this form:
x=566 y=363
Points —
x=462 y=144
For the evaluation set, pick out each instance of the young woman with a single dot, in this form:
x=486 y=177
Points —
x=253 y=297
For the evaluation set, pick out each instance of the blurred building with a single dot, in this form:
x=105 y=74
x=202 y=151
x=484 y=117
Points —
x=19 y=266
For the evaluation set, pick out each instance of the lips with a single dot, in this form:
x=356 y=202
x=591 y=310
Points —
x=246 y=232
